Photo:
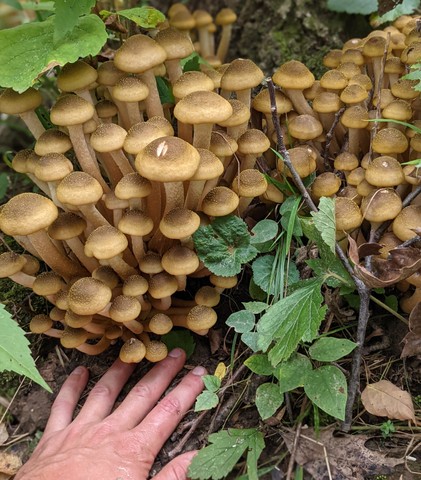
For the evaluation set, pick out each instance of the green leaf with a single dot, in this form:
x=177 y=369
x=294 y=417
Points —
x=390 y=300
x=362 y=7
x=67 y=16
x=206 y=401
x=326 y=387
x=13 y=3
x=212 y=383
x=242 y=321
x=181 y=338
x=39 y=7
x=324 y=221
x=414 y=74
x=262 y=273
x=164 y=90
x=407 y=7
x=289 y=219
x=226 y=447
x=292 y=373
x=292 y=319
x=330 y=349
x=255 y=307
x=15 y=354
x=259 y=364
x=27 y=50
x=145 y=17
x=191 y=63
x=250 y=339
x=256 y=293
x=268 y=399
x=224 y=245
x=4 y=184
x=264 y=235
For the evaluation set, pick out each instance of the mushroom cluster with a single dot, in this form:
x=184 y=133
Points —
x=125 y=180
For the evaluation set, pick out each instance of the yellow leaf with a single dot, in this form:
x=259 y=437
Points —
x=220 y=371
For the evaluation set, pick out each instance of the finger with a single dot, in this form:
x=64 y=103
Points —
x=163 y=419
x=102 y=397
x=177 y=468
x=65 y=403
x=146 y=393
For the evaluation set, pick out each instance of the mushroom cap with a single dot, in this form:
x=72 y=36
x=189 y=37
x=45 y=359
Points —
x=162 y=285
x=347 y=214
x=175 y=43
x=261 y=102
x=346 y=161
x=305 y=127
x=27 y=213
x=398 y=110
x=249 y=183
x=52 y=141
x=207 y=296
x=106 y=109
x=108 y=137
x=202 y=107
x=225 y=16
x=168 y=159
x=140 y=135
x=106 y=275
x=201 y=317
x=220 y=201
x=130 y=88
x=222 y=144
x=40 y=323
x=381 y=205
x=303 y=160
x=240 y=114
x=389 y=140
x=105 y=242
x=156 y=351
x=150 y=263
x=190 y=82
x=353 y=94
x=333 y=80
x=179 y=223
x=293 y=75
x=406 y=222
x=76 y=76
x=132 y=351
x=327 y=102
x=108 y=73
x=124 y=308
x=11 y=263
x=253 y=141
x=135 y=222
x=241 y=74
x=325 y=185
x=384 y=171
x=88 y=296
x=160 y=324
x=71 y=110
x=14 y=103
x=138 y=54
x=48 y=283
x=209 y=167
x=355 y=117
x=79 y=188
x=133 y=185
x=135 y=285
x=53 y=167
x=180 y=260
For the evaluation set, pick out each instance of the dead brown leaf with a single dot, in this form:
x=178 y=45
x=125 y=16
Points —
x=412 y=339
x=400 y=264
x=387 y=400
x=347 y=455
x=9 y=463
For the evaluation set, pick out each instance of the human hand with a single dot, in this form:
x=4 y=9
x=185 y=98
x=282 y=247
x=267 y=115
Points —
x=121 y=444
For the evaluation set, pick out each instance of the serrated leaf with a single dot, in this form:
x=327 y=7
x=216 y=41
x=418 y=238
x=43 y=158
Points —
x=292 y=373
x=226 y=447
x=263 y=273
x=362 y=7
x=255 y=307
x=268 y=399
x=330 y=349
x=387 y=400
x=15 y=354
x=292 y=319
x=67 y=15
x=250 y=339
x=28 y=50
x=224 y=245
x=324 y=221
x=180 y=339
x=326 y=387
x=145 y=17
x=242 y=321
x=212 y=383
x=206 y=401
x=259 y=364
x=264 y=231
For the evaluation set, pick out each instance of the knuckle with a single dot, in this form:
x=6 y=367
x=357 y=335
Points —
x=100 y=391
x=141 y=390
x=171 y=405
x=176 y=471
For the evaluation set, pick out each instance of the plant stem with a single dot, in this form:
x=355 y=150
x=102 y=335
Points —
x=388 y=309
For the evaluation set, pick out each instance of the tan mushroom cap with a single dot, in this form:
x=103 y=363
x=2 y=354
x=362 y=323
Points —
x=201 y=318
x=76 y=76
x=305 y=127
x=241 y=74
x=52 y=141
x=346 y=161
x=53 y=167
x=132 y=351
x=240 y=114
x=222 y=144
x=384 y=171
x=140 y=135
x=333 y=80
x=106 y=109
x=209 y=167
x=249 y=183
x=105 y=242
x=108 y=137
x=190 y=82
x=389 y=141
x=135 y=222
x=150 y=263
x=162 y=285
x=355 y=117
x=353 y=94
x=220 y=201
x=325 y=185
x=175 y=43
x=207 y=296
x=88 y=296
x=202 y=107
x=40 y=323
x=261 y=102
x=138 y=54
x=253 y=141
x=71 y=110
x=179 y=223
x=381 y=205
x=160 y=324
x=180 y=260
x=27 y=213
x=124 y=308
x=79 y=188
x=48 y=283
x=130 y=88
x=11 y=263
x=293 y=75
x=106 y=275
x=407 y=222
x=156 y=351
x=108 y=73
x=135 y=285
x=133 y=185
x=398 y=110
x=14 y=103
x=303 y=160
x=327 y=102
x=168 y=159
x=347 y=214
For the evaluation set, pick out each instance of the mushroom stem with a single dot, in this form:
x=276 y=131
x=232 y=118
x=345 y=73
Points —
x=299 y=101
x=33 y=123
x=202 y=135
x=153 y=101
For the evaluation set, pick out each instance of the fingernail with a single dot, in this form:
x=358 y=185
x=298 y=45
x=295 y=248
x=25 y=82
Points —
x=199 y=371
x=177 y=352
x=78 y=371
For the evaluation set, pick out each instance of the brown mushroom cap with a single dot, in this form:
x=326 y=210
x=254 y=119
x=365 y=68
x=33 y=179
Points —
x=241 y=74
x=79 y=188
x=381 y=205
x=132 y=351
x=201 y=318
x=293 y=75
x=220 y=201
x=52 y=141
x=347 y=214
x=88 y=296
x=76 y=76
x=180 y=260
x=11 y=263
x=406 y=222
x=129 y=59
x=71 y=110
x=384 y=171
x=124 y=308
x=179 y=223
x=48 y=283
x=389 y=140
x=105 y=242
x=14 y=103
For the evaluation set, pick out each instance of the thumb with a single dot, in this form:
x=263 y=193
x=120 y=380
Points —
x=177 y=468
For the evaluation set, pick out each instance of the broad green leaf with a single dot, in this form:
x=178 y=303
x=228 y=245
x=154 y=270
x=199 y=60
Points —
x=15 y=354
x=390 y=300
x=289 y=219
x=362 y=7
x=206 y=401
x=67 y=16
x=324 y=221
x=27 y=50
x=4 y=184
x=39 y=6
x=191 y=63
x=259 y=364
x=292 y=373
x=250 y=339
x=255 y=307
x=264 y=234
x=242 y=321
x=326 y=387
x=180 y=338
x=292 y=319
x=414 y=74
x=164 y=90
x=256 y=293
x=226 y=447
x=268 y=399
x=224 y=245
x=330 y=349
x=263 y=274
x=13 y=3
x=145 y=17
x=407 y=7
x=212 y=383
